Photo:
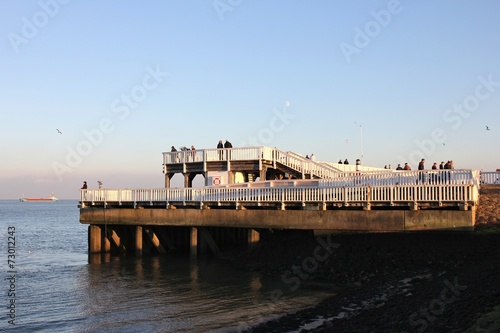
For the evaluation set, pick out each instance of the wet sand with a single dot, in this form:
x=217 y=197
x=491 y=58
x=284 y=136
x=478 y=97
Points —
x=418 y=282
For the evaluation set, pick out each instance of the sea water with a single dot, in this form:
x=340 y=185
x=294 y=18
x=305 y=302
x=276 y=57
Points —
x=50 y=284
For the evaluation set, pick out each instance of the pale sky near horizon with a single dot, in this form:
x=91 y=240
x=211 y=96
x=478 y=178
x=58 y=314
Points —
x=125 y=80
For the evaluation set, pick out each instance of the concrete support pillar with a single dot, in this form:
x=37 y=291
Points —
x=117 y=240
x=472 y=208
x=253 y=237
x=202 y=242
x=95 y=239
x=106 y=244
x=230 y=177
x=155 y=240
x=188 y=179
x=168 y=178
x=207 y=241
x=193 y=241
x=262 y=174
x=138 y=241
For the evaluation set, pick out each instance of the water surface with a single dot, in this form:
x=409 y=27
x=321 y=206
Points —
x=60 y=289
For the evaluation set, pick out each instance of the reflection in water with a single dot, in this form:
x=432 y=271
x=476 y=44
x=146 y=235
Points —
x=62 y=289
x=176 y=294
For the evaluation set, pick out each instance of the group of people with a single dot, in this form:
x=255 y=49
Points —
x=226 y=144
x=421 y=166
x=183 y=148
x=220 y=145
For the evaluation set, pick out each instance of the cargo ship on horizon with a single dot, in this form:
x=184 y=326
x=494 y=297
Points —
x=50 y=198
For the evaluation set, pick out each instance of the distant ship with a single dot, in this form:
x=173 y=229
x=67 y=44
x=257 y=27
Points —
x=51 y=198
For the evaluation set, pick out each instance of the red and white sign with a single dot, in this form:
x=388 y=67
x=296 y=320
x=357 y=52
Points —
x=216 y=181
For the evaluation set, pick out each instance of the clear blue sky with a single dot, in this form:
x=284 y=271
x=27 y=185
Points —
x=140 y=76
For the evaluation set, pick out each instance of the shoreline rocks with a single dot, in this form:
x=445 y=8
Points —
x=415 y=282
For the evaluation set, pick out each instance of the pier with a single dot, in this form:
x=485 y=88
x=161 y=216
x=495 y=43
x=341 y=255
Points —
x=251 y=192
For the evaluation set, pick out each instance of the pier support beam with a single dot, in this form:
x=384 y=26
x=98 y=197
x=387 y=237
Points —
x=231 y=177
x=188 y=179
x=154 y=239
x=207 y=241
x=168 y=178
x=193 y=241
x=117 y=240
x=95 y=239
x=262 y=174
x=253 y=237
x=106 y=244
x=138 y=241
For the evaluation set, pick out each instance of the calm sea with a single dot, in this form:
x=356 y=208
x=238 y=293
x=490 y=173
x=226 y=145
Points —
x=52 y=286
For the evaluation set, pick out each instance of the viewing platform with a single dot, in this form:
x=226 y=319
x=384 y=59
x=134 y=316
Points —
x=248 y=164
x=260 y=189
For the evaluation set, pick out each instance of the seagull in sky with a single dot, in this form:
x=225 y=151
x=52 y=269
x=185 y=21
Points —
x=487 y=128
x=58 y=131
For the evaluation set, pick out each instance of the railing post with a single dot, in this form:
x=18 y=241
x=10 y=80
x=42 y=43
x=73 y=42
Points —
x=282 y=190
x=204 y=156
x=260 y=157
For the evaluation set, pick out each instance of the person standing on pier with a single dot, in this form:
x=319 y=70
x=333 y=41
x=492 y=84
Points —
x=421 y=165
x=84 y=187
x=193 y=153
x=421 y=168
x=228 y=145
x=174 y=156
x=220 y=146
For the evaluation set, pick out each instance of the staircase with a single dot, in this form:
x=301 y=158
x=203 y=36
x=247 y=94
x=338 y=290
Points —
x=302 y=167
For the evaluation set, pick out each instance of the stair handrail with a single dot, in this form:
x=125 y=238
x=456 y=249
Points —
x=305 y=165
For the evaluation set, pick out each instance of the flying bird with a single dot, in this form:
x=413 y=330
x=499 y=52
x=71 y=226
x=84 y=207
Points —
x=58 y=131
x=487 y=128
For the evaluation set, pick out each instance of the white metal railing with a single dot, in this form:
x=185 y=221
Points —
x=292 y=160
x=492 y=177
x=210 y=155
x=427 y=177
x=460 y=193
